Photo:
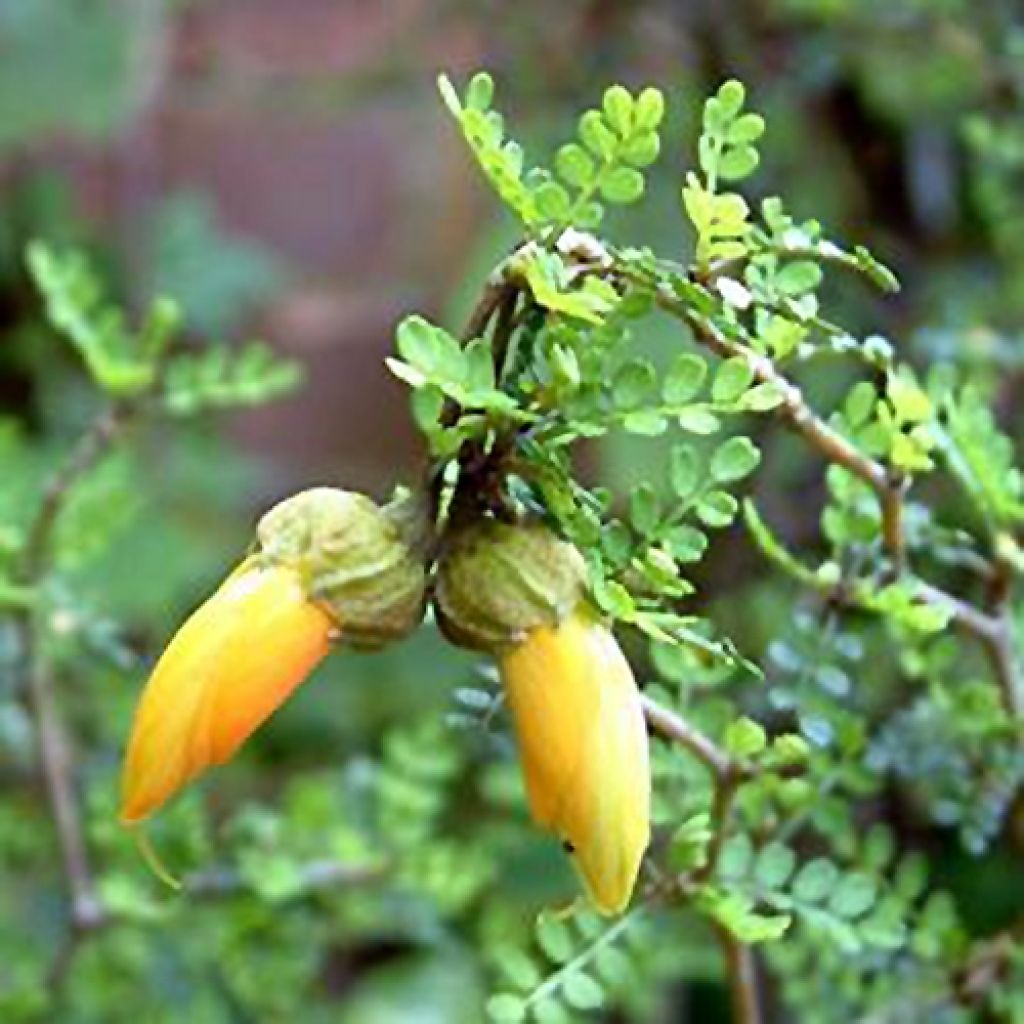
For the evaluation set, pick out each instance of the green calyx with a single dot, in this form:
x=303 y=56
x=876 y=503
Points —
x=360 y=561
x=495 y=582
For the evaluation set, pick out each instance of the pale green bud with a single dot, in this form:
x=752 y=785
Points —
x=358 y=560
x=495 y=582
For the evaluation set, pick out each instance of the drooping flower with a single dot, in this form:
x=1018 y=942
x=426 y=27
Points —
x=331 y=566
x=583 y=742
x=231 y=665
x=517 y=592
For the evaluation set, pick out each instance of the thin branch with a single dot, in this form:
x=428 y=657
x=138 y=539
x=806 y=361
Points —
x=891 y=500
x=316 y=875
x=794 y=408
x=741 y=971
x=55 y=764
x=675 y=728
x=995 y=633
x=54 y=751
x=91 y=447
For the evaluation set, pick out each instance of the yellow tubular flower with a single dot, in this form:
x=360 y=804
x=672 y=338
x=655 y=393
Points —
x=331 y=565
x=583 y=744
x=228 y=668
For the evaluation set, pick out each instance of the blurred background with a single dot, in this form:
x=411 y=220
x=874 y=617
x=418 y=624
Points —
x=285 y=171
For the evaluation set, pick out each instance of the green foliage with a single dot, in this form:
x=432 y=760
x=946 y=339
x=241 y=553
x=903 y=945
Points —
x=751 y=296
x=120 y=362
x=132 y=364
x=584 y=965
x=220 y=378
x=614 y=144
x=874 y=674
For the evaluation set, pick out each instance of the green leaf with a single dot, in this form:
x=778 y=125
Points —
x=644 y=509
x=733 y=377
x=419 y=343
x=739 y=163
x=684 y=471
x=575 y=165
x=698 y=420
x=120 y=362
x=645 y=422
x=617 y=105
x=634 y=384
x=745 y=738
x=650 y=108
x=480 y=91
x=717 y=509
x=615 y=599
x=686 y=543
x=746 y=128
x=774 y=865
x=554 y=938
x=622 y=185
x=582 y=992
x=684 y=379
x=815 y=880
x=734 y=459
x=853 y=896
x=731 y=96
x=551 y=1011
x=506 y=1009
x=222 y=377
x=736 y=857
x=860 y=403
x=642 y=149
x=553 y=202
x=798 y=277
x=597 y=136
x=763 y=397
x=479 y=366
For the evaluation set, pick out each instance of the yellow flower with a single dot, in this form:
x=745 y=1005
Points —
x=228 y=668
x=583 y=744
x=331 y=565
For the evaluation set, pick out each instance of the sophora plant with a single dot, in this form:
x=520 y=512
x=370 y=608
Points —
x=736 y=790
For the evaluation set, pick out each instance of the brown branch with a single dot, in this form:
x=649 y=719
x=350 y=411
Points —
x=54 y=751
x=675 y=728
x=794 y=408
x=91 y=447
x=55 y=764
x=741 y=972
x=728 y=774
x=995 y=632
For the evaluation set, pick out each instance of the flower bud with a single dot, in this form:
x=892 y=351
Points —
x=583 y=743
x=331 y=566
x=230 y=666
x=495 y=582
x=356 y=558
x=518 y=593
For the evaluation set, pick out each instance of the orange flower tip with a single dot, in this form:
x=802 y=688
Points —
x=236 y=659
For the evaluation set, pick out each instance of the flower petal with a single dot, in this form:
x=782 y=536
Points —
x=228 y=668
x=583 y=744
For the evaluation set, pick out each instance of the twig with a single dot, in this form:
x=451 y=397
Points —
x=91 y=447
x=54 y=754
x=674 y=727
x=741 y=970
x=216 y=883
x=995 y=633
x=794 y=408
